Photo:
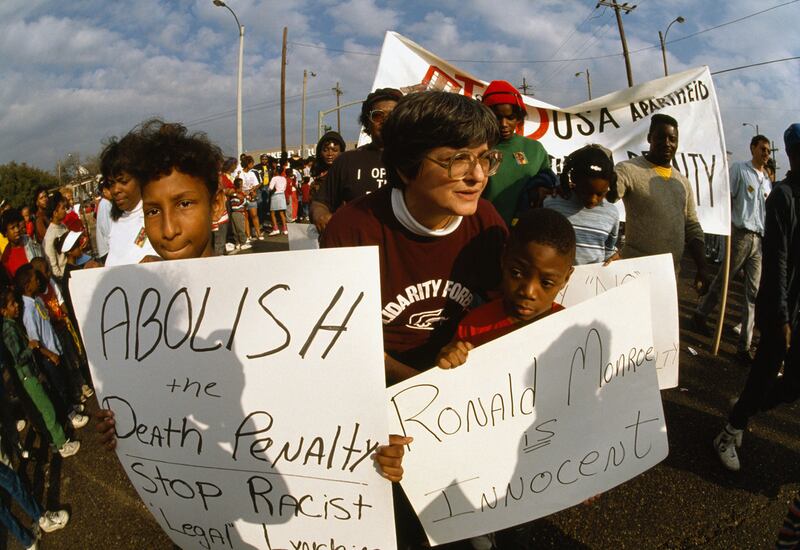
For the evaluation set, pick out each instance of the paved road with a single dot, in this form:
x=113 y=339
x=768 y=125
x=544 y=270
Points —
x=688 y=501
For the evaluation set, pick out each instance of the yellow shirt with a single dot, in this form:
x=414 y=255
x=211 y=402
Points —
x=3 y=243
x=664 y=171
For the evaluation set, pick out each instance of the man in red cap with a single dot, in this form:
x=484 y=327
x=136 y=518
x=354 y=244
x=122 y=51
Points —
x=525 y=165
x=356 y=173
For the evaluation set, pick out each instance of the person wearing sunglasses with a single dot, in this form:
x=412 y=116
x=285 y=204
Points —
x=356 y=173
x=524 y=178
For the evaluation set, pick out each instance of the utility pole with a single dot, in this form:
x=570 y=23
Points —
x=627 y=9
x=525 y=86
x=303 y=116
x=338 y=91
x=283 y=93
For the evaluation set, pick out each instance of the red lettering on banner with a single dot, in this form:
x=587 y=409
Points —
x=544 y=124
x=437 y=79
x=469 y=84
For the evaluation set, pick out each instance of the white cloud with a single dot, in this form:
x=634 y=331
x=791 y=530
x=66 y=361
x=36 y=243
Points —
x=363 y=18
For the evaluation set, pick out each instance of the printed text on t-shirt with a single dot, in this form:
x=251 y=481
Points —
x=434 y=288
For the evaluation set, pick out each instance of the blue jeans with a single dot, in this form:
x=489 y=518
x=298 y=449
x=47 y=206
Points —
x=11 y=482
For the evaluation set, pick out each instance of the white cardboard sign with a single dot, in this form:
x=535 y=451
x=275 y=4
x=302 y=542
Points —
x=588 y=281
x=303 y=236
x=619 y=120
x=535 y=421
x=237 y=417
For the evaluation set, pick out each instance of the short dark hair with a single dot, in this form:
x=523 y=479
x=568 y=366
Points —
x=425 y=120
x=165 y=147
x=660 y=119
x=9 y=217
x=758 y=139
x=380 y=94
x=23 y=276
x=6 y=295
x=228 y=165
x=544 y=226
x=53 y=200
x=590 y=161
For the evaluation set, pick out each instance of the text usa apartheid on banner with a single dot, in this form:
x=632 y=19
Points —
x=238 y=420
x=536 y=421
x=618 y=121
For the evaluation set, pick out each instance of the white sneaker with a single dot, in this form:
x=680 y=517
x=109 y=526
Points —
x=725 y=445
x=53 y=521
x=285 y=231
x=69 y=448
x=34 y=546
x=78 y=420
x=261 y=237
x=247 y=246
x=274 y=232
x=86 y=391
x=229 y=247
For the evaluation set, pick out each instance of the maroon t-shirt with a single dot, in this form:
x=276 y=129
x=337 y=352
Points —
x=426 y=282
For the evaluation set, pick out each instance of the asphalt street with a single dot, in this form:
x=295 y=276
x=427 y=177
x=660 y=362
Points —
x=687 y=501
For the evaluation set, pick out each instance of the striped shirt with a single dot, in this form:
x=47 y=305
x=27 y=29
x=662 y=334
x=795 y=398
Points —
x=789 y=535
x=596 y=229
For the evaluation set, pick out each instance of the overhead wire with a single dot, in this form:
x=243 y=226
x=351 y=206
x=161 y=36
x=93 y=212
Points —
x=606 y=56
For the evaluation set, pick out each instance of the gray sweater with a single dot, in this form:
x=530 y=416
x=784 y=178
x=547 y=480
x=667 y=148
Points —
x=660 y=214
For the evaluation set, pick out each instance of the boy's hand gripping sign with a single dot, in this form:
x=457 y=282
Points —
x=245 y=396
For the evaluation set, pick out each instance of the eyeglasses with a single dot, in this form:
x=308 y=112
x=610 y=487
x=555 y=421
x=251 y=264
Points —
x=378 y=116
x=463 y=162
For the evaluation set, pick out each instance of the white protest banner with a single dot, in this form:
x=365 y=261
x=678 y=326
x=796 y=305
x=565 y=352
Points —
x=588 y=281
x=303 y=236
x=238 y=419
x=618 y=121
x=535 y=421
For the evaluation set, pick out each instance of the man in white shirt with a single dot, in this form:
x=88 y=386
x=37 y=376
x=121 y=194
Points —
x=750 y=185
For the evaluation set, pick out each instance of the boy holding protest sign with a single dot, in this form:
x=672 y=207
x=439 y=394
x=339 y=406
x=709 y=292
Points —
x=181 y=198
x=536 y=264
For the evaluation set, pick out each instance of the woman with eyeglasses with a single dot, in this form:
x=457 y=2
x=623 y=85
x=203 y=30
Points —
x=439 y=241
x=524 y=177
x=356 y=173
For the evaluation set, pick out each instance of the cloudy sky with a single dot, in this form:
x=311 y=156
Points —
x=74 y=73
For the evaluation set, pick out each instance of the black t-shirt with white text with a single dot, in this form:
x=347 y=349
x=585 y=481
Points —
x=353 y=175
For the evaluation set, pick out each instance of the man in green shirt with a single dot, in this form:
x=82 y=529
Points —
x=523 y=159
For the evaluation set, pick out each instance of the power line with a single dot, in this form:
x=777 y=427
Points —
x=257 y=106
x=755 y=65
x=535 y=61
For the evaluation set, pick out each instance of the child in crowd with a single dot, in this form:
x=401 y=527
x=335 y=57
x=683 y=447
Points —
x=36 y=321
x=72 y=348
x=536 y=264
x=586 y=178
x=238 y=205
x=28 y=223
x=180 y=191
x=20 y=349
x=42 y=520
x=20 y=249
x=305 y=198
x=277 y=202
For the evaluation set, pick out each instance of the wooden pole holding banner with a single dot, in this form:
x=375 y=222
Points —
x=724 y=301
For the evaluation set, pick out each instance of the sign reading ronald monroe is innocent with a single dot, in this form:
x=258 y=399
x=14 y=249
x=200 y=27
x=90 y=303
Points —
x=536 y=421
x=246 y=398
